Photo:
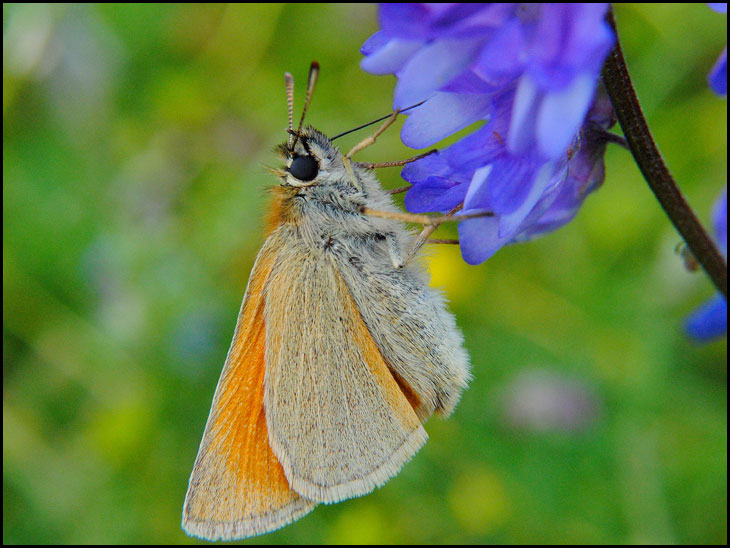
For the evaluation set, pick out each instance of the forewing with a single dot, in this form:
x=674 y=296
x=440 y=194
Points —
x=238 y=487
x=338 y=421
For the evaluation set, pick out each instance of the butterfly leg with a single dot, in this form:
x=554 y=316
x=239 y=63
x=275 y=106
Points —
x=394 y=251
x=346 y=160
x=370 y=140
x=397 y=258
x=425 y=220
x=430 y=224
x=371 y=165
x=399 y=190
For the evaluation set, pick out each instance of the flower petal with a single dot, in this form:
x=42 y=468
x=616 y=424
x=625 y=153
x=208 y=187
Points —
x=500 y=60
x=568 y=40
x=374 y=43
x=718 y=74
x=466 y=19
x=561 y=115
x=476 y=150
x=436 y=194
x=720 y=7
x=420 y=170
x=544 y=179
x=709 y=321
x=524 y=113
x=719 y=220
x=391 y=57
x=479 y=238
x=434 y=66
x=476 y=186
x=468 y=82
x=442 y=115
x=405 y=20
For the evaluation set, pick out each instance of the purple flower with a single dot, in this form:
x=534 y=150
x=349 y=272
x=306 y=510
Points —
x=530 y=71
x=719 y=219
x=585 y=168
x=718 y=75
x=710 y=320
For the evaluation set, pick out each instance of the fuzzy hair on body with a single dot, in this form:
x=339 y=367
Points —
x=340 y=354
x=408 y=320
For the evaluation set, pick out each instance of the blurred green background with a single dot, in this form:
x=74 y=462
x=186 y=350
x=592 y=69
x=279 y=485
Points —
x=135 y=140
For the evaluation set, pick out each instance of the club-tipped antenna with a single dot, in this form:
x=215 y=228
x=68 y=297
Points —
x=289 y=79
x=311 y=83
x=374 y=121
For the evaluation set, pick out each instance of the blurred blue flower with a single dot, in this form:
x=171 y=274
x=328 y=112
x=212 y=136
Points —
x=718 y=75
x=530 y=71
x=710 y=320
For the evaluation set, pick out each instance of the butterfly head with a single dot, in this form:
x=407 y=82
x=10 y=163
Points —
x=312 y=160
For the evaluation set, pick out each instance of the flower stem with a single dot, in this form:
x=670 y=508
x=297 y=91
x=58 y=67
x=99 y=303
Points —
x=628 y=111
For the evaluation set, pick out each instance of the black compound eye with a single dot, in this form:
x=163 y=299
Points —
x=304 y=168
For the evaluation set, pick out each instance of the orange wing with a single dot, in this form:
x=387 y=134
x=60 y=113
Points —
x=238 y=488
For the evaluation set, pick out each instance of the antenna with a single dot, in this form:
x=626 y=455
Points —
x=311 y=82
x=289 y=79
x=375 y=121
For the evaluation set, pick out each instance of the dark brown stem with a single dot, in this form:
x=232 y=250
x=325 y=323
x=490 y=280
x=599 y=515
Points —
x=628 y=111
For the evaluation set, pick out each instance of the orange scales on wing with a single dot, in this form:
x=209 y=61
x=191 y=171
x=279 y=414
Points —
x=235 y=459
